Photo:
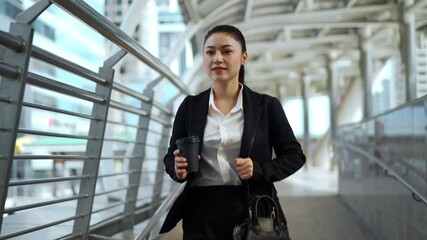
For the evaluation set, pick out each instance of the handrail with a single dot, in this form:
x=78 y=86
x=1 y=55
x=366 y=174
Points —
x=51 y=134
x=92 y=18
x=57 y=110
x=110 y=206
x=11 y=42
x=401 y=106
x=111 y=191
x=46 y=180
x=161 y=107
x=99 y=99
x=63 y=63
x=50 y=157
x=390 y=170
x=127 y=108
x=166 y=204
x=116 y=174
x=67 y=89
x=29 y=230
x=7 y=70
x=160 y=120
x=121 y=88
x=45 y=203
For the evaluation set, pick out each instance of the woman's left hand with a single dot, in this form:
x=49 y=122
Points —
x=244 y=168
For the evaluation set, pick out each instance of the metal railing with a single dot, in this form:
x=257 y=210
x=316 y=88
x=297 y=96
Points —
x=382 y=170
x=390 y=171
x=103 y=195
x=390 y=140
x=161 y=211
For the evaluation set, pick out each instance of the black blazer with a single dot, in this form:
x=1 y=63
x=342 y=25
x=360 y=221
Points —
x=266 y=128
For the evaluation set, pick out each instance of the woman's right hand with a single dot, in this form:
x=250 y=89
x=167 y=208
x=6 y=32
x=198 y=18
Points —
x=180 y=165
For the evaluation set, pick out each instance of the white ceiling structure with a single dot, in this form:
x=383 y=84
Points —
x=289 y=40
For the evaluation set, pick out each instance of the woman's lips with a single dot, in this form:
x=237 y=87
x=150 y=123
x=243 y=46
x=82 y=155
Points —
x=218 y=69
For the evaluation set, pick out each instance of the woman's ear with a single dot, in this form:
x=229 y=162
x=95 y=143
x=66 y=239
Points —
x=244 y=58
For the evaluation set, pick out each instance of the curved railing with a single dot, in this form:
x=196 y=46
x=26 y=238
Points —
x=382 y=165
x=158 y=215
x=117 y=178
x=418 y=196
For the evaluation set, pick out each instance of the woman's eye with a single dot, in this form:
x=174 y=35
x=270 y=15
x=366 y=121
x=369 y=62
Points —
x=227 y=51
x=209 y=52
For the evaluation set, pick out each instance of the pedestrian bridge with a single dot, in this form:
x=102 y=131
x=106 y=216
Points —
x=365 y=177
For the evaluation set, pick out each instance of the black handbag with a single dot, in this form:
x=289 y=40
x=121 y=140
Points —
x=265 y=225
x=263 y=221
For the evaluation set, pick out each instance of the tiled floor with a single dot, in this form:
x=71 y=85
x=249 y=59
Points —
x=313 y=209
x=322 y=218
x=309 y=181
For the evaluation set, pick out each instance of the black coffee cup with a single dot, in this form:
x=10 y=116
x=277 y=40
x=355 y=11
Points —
x=189 y=148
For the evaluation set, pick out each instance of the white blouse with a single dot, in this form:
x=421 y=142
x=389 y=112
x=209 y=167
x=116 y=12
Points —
x=221 y=145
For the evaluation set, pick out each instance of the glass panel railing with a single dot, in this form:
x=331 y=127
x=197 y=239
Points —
x=383 y=170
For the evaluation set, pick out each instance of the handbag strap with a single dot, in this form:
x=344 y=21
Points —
x=246 y=182
x=253 y=221
x=274 y=215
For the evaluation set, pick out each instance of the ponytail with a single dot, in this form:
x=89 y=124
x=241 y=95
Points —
x=242 y=74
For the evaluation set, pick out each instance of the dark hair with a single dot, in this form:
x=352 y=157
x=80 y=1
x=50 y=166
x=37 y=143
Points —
x=237 y=35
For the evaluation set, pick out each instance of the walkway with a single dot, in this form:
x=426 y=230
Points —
x=314 y=210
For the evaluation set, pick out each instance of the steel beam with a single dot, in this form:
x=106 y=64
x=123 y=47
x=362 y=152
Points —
x=92 y=18
x=12 y=89
x=94 y=148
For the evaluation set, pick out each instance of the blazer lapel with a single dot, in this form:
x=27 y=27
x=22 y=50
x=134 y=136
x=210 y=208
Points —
x=252 y=110
x=198 y=116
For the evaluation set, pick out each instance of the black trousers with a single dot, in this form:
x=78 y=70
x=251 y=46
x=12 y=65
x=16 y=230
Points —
x=212 y=212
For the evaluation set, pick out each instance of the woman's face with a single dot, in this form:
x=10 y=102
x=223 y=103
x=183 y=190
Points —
x=223 y=57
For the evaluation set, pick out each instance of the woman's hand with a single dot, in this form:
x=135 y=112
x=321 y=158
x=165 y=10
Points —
x=180 y=165
x=244 y=168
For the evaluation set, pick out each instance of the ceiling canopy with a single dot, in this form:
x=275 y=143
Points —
x=290 y=40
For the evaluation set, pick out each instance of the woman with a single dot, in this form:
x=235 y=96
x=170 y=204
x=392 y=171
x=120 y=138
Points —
x=238 y=129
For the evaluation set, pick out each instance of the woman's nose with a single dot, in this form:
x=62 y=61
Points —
x=218 y=57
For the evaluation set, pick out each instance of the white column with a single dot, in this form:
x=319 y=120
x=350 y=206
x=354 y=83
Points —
x=366 y=63
x=305 y=87
x=408 y=45
x=333 y=94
